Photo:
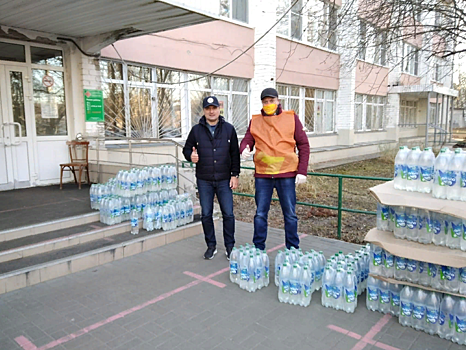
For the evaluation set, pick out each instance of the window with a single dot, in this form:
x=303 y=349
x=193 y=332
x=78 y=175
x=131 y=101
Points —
x=369 y=112
x=410 y=59
x=380 y=55
x=321 y=24
x=291 y=24
x=235 y=9
x=40 y=55
x=372 y=44
x=315 y=107
x=12 y=52
x=154 y=102
x=362 y=40
x=408 y=113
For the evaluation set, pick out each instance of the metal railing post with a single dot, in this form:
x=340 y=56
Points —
x=177 y=167
x=340 y=200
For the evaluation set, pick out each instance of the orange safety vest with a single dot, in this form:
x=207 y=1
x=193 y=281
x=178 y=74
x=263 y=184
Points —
x=275 y=143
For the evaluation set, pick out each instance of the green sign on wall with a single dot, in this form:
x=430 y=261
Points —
x=94 y=105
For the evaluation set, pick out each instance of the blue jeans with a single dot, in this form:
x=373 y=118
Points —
x=207 y=190
x=287 y=195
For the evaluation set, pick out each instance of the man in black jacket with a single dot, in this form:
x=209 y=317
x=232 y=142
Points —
x=213 y=146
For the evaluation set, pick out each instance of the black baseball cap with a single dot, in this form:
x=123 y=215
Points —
x=210 y=101
x=269 y=92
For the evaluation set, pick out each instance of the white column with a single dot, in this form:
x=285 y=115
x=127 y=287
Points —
x=262 y=15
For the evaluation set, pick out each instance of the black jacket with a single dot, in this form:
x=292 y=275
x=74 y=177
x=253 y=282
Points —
x=218 y=154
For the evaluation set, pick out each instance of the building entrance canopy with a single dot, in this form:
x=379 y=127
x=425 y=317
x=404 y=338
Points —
x=95 y=24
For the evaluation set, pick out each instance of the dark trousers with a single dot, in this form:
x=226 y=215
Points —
x=287 y=195
x=207 y=190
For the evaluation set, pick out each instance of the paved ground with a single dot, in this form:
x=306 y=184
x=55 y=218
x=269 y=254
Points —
x=161 y=299
x=35 y=205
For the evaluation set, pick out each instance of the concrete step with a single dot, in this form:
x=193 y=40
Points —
x=40 y=267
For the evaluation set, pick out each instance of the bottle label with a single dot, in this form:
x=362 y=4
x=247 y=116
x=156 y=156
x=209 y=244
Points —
x=428 y=225
x=436 y=226
x=377 y=258
x=463 y=179
x=139 y=184
x=441 y=318
x=404 y=171
x=400 y=263
x=432 y=270
x=413 y=172
x=421 y=266
x=395 y=299
x=295 y=288
x=400 y=220
x=406 y=309
x=384 y=213
x=442 y=178
x=398 y=170
x=233 y=268
x=460 y=325
x=427 y=173
x=456 y=230
x=257 y=275
x=420 y=222
x=451 y=321
x=373 y=294
x=432 y=315
x=328 y=291
x=182 y=214
x=463 y=275
x=445 y=227
x=337 y=292
x=165 y=218
x=349 y=295
x=419 y=312
x=244 y=275
x=285 y=287
x=266 y=272
x=134 y=222
x=388 y=260
x=412 y=265
x=453 y=175
x=385 y=297
x=307 y=290
x=411 y=221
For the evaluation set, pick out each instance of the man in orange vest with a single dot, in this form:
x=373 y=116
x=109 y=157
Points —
x=276 y=134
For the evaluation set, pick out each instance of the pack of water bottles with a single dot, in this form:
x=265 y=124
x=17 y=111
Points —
x=383 y=297
x=249 y=268
x=422 y=226
x=445 y=278
x=434 y=313
x=298 y=274
x=420 y=171
x=149 y=193
x=344 y=278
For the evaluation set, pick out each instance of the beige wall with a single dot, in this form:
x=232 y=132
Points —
x=372 y=136
x=303 y=65
x=199 y=48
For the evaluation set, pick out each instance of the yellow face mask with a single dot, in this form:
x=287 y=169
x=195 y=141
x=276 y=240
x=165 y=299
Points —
x=270 y=108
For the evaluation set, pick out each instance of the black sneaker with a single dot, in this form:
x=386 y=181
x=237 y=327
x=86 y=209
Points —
x=210 y=253
x=228 y=252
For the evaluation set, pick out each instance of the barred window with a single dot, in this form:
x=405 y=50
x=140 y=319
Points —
x=369 y=112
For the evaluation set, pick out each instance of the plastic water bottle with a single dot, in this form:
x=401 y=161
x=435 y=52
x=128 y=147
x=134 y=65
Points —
x=441 y=178
x=463 y=240
x=384 y=297
x=406 y=306
x=432 y=303
x=278 y=263
x=400 y=169
x=453 y=239
x=266 y=268
x=434 y=274
x=383 y=217
x=376 y=261
x=400 y=222
x=395 y=291
x=459 y=313
x=412 y=163
x=449 y=278
x=350 y=301
x=372 y=294
x=438 y=237
x=234 y=262
x=400 y=268
x=165 y=218
x=412 y=272
x=306 y=293
x=426 y=167
x=446 y=317
x=252 y=284
x=388 y=268
x=328 y=280
x=338 y=289
x=425 y=226
x=284 y=288
x=462 y=281
x=244 y=271
x=424 y=278
x=295 y=285
x=455 y=166
x=412 y=232
x=134 y=222
x=258 y=270
x=463 y=182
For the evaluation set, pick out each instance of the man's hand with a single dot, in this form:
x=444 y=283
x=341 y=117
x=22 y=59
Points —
x=194 y=156
x=300 y=179
x=246 y=153
x=234 y=182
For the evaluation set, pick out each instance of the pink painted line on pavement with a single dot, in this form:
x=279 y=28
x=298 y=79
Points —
x=368 y=338
x=25 y=343
x=205 y=279
x=344 y=331
x=283 y=244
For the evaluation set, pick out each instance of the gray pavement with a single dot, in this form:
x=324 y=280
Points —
x=161 y=299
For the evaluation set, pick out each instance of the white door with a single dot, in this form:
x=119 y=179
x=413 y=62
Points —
x=15 y=128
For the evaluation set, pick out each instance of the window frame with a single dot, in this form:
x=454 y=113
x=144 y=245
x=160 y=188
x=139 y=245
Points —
x=410 y=59
x=231 y=5
x=374 y=105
